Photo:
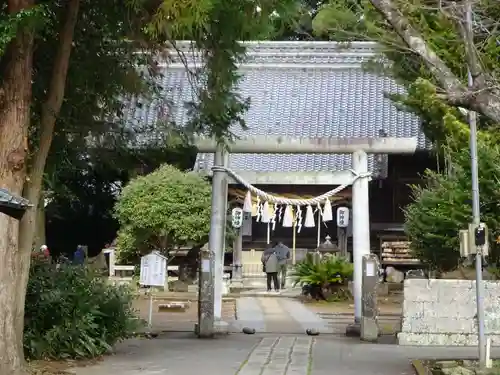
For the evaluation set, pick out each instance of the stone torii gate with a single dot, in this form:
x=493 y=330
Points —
x=358 y=147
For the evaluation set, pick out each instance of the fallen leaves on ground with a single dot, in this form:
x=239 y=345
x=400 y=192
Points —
x=48 y=367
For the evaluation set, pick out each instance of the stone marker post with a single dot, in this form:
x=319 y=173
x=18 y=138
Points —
x=369 y=308
x=205 y=326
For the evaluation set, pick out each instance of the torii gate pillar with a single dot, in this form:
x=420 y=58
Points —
x=360 y=225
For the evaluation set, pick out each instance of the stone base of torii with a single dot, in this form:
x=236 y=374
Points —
x=358 y=147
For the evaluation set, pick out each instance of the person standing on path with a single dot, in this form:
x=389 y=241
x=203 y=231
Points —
x=283 y=253
x=270 y=265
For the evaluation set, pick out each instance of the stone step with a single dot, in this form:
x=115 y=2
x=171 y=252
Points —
x=284 y=315
x=388 y=324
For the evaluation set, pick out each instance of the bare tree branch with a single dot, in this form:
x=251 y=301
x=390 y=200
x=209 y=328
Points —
x=485 y=101
x=417 y=44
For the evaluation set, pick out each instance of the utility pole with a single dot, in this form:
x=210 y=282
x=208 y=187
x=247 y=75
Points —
x=476 y=215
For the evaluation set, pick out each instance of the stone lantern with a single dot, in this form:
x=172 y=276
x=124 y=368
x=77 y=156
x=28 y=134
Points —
x=328 y=247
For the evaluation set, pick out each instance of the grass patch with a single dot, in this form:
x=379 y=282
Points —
x=453 y=367
x=389 y=328
x=42 y=367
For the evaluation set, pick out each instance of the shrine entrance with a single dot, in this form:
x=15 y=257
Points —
x=313 y=109
x=272 y=210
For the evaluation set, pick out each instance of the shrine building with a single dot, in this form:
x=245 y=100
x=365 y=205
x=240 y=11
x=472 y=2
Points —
x=310 y=89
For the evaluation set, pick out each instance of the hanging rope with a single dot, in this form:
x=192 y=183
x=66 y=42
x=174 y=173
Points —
x=282 y=200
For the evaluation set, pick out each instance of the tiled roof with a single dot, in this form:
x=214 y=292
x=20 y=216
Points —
x=310 y=89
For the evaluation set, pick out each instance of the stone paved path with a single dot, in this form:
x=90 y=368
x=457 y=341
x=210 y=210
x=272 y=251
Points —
x=279 y=355
x=176 y=354
x=238 y=354
x=277 y=315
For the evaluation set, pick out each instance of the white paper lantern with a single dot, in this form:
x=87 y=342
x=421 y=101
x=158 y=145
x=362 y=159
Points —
x=342 y=217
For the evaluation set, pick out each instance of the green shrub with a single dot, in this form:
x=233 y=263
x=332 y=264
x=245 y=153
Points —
x=162 y=210
x=330 y=275
x=73 y=313
x=442 y=207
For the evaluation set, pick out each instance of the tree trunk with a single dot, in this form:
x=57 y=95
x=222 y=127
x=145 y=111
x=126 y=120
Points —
x=16 y=239
x=15 y=100
x=50 y=111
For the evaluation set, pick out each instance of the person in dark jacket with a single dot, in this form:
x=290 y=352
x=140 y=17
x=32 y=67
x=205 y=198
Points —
x=270 y=264
x=283 y=253
x=79 y=256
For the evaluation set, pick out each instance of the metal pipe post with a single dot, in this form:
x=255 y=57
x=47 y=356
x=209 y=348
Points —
x=360 y=227
x=237 y=255
x=217 y=227
x=479 y=256
x=150 y=315
x=476 y=214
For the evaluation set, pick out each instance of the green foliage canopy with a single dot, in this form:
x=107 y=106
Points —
x=216 y=28
x=161 y=211
x=443 y=206
x=106 y=40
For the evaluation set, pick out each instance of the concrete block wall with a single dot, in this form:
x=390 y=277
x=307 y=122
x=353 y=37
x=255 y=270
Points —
x=443 y=312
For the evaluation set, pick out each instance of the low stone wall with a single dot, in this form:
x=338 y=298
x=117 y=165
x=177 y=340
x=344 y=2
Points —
x=443 y=312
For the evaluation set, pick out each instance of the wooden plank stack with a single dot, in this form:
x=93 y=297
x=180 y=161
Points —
x=397 y=253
